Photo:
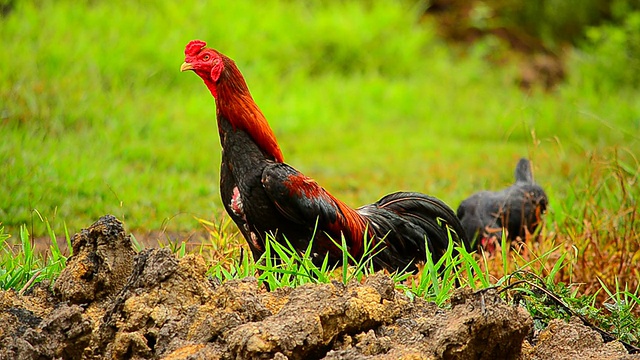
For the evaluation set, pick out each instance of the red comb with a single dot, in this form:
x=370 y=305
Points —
x=194 y=47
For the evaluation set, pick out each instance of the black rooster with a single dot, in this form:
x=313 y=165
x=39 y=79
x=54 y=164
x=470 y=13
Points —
x=263 y=195
x=518 y=209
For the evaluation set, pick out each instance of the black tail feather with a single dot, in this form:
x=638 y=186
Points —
x=409 y=220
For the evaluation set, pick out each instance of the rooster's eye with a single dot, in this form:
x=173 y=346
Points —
x=205 y=58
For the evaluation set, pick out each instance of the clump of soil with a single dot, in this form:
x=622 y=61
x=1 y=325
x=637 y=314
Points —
x=574 y=341
x=100 y=266
x=112 y=303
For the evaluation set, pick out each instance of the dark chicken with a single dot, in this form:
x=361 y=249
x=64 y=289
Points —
x=263 y=195
x=517 y=209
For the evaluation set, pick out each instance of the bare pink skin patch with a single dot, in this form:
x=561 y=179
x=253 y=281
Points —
x=236 y=203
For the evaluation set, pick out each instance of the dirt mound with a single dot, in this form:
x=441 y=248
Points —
x=111 y=303
x=574 y=341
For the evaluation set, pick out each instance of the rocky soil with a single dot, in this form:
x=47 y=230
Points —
x=113 y=303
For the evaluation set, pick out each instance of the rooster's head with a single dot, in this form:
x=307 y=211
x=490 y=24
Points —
x=204 y=61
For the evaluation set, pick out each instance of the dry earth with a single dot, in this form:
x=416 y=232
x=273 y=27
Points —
x=111 y=303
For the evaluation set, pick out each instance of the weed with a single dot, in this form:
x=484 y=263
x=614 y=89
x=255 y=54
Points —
x=21 y=266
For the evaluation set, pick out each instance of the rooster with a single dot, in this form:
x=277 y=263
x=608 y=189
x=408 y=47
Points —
x=266 y=197
x=518 y=209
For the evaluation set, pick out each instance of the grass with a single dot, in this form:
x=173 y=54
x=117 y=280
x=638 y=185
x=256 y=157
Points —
x=96 y=118
x=21 y=266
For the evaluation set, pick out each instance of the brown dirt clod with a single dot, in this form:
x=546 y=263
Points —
x=573 y=340
x=101 y=263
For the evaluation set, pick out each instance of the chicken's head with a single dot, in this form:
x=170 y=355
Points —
x=204 y=61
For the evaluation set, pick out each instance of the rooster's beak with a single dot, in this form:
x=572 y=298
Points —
x=186 y=66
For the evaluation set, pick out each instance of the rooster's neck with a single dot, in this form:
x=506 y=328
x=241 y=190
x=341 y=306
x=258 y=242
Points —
x=234 y=103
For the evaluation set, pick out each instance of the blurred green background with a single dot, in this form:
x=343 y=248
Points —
x=367 y=97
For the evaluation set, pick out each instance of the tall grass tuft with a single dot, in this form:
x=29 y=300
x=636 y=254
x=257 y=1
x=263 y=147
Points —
x=605 y=234
x=282 y=265
x=21 y=266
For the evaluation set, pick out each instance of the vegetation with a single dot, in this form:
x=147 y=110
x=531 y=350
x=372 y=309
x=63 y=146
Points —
x=21 y=266
x=553 y=23
x=96 y=118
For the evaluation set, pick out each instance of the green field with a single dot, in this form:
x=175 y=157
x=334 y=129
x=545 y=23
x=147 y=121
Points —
x=96 y=118
x=364 y=96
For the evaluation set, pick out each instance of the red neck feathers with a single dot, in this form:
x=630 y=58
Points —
x=234 y=103
x=353 y=225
